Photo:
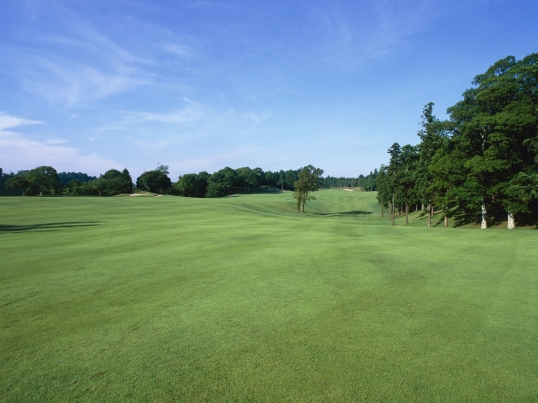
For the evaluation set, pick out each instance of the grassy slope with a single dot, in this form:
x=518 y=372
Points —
x=177 y=299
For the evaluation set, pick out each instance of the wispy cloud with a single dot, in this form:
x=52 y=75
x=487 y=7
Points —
x=69 y=83
x=75 y=64
x=357 y=35
x=7 y=121
x=182 y=135
x=19 y=151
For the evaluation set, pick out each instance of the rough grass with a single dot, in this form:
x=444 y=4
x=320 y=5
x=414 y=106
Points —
x=243 y=300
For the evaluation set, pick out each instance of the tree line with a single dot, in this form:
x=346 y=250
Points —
x=479 y=165
x=45 y=180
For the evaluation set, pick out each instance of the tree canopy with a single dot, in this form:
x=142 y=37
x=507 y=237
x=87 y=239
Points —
x=482 y=163
x=309 y=181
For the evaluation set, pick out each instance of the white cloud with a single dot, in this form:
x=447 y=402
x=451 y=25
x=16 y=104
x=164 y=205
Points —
x=7 y=121
x=18 y=151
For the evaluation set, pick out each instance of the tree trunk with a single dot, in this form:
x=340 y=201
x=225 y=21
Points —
x=429 y=216
x=422 y=202
x=406 y=214
x=381 y=214
x=511 y=221
x=446 y=217
x=393 y=210
x=484 y=223
x=433 y=212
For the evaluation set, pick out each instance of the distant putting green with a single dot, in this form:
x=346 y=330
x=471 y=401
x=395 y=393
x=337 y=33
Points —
x=160 y=299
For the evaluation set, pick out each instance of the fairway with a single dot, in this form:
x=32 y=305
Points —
x=241 y=299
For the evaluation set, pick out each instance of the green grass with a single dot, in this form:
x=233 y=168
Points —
x=145 y=299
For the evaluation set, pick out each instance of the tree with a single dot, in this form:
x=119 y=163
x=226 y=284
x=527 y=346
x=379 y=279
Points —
x=309 y=181
x=496 y=125
x=45 y=178
x=447 y=177
x=221 y=182
x=522 y=196
x=406 y=176
x=383 y=189
x=247 y=177
x=431 y=135
x=187 y=185
x=20 y=182
x=78 y=188
x=155 y=181
x=392 y=178
x=66 y=177
x=192 y=185
x=113 y=182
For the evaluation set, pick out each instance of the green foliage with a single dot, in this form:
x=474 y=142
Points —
x=368 y=182
x=192 y=185
x=496 y=127
x=4 y=189
x=484 y=157
x=66 y=177
x=522 y=194
x=333 y=182
x=112 y=183
x=384 y=192
x=155 y=181
x=77 y=188
x=45 y=178
x=221 y=183
x=309 y=181
x=20 y=182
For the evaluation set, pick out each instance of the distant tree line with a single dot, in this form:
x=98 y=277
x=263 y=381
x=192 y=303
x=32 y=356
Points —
x=44 y=180
x=333 y=182
x=227 y=181
x=480 y=165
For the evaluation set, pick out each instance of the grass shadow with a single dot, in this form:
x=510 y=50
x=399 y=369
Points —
x=52 y=226
x=462 y=218
x=346 y=213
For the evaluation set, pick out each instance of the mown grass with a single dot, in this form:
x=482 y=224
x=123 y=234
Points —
x=243 y=300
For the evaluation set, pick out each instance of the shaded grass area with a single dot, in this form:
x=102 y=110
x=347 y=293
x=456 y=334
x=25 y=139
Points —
x=177 y=299
x=44 y=226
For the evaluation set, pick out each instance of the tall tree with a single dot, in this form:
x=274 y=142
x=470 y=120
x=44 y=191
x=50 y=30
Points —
x=406 y=177
x=309 y=181
x=384 y=194
x=45 y=178
x=431 y=135
x=393 y=173
x=496 y=125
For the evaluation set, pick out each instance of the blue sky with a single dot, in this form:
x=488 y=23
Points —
x=202 y=84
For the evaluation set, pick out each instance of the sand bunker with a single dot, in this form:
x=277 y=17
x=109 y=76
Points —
x=349 y=190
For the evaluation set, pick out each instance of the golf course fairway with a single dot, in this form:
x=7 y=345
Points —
x=241 y=299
